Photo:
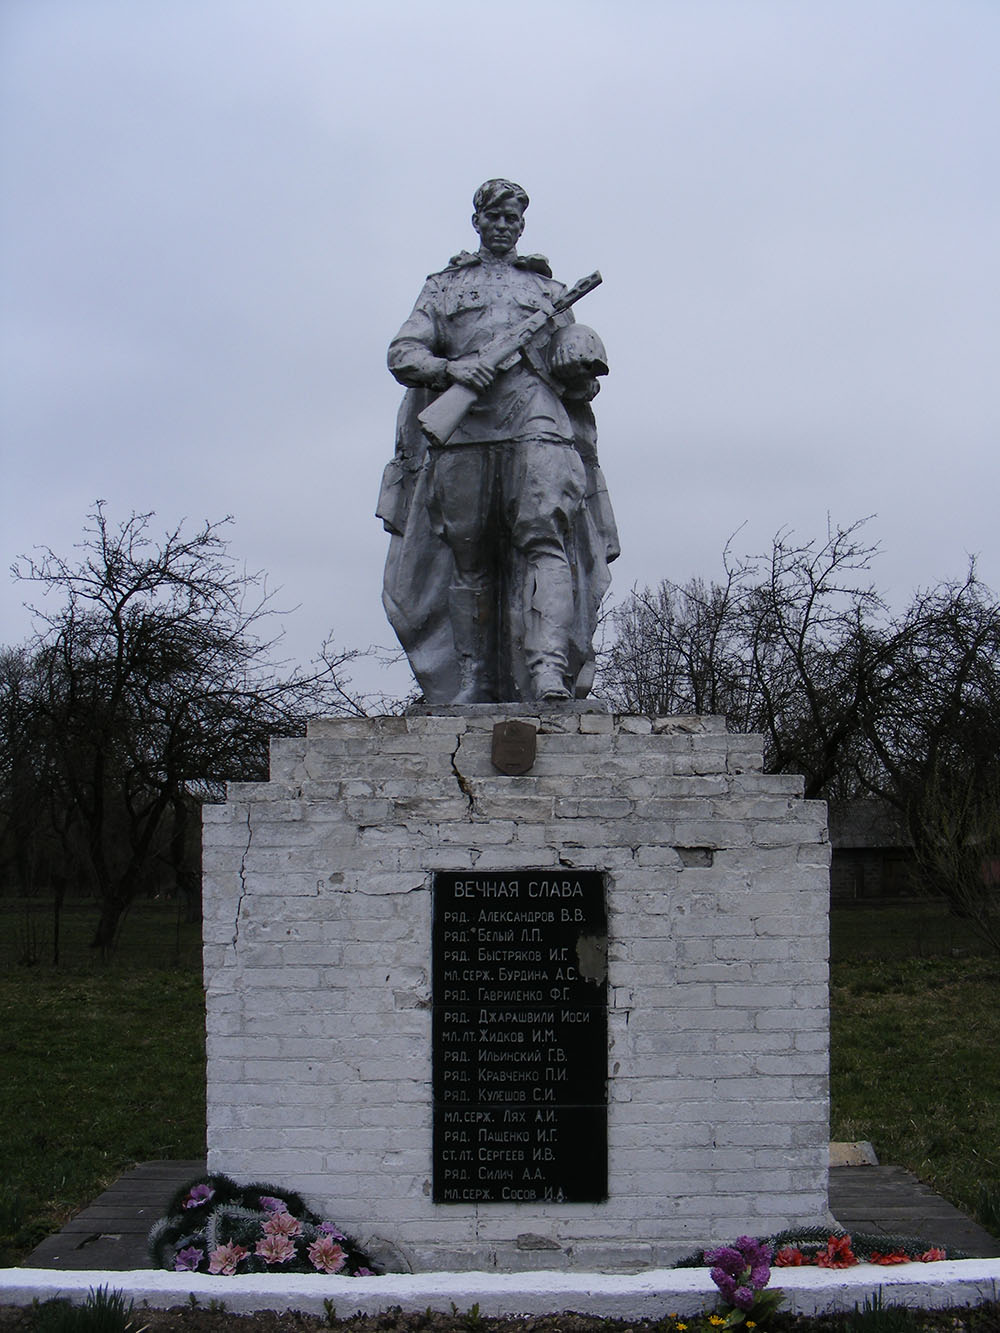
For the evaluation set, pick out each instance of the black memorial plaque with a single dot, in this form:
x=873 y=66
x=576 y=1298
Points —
x=520 y=1037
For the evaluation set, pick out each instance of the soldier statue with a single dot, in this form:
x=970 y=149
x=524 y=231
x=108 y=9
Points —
x=501 y=527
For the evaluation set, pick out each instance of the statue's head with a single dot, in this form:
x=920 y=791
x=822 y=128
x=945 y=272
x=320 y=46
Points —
x=492 y=192
x=499 y=215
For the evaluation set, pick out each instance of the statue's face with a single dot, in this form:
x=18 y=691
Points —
x=499 y=225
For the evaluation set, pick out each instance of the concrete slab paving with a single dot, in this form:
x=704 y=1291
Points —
x=105 y=1245
x=891 y=1199
x=111 y=1233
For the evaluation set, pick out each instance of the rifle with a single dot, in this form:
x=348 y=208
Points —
x=440 y=419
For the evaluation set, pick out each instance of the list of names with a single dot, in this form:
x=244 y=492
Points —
x=520 y=1037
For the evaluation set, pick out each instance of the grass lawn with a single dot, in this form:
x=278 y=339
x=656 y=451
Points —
x=915 y=1048
x=915 y=1068
x=104 y=1063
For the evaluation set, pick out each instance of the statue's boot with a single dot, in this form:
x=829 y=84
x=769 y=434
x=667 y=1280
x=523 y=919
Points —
x=547 y=621
x=550 y=684
x=472 y=629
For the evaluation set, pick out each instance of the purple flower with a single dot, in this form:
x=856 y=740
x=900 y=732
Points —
x=725 y=1282
x=198 y=1195
x=755 y=1252
x=363 y=1272
x=187 y=1261
x=272 y=1205
x=740 y=1270
x=331 y=1229
x=726 y=1258
x=743 y=1298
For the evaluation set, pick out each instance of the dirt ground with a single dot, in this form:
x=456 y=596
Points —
x=187 y=1319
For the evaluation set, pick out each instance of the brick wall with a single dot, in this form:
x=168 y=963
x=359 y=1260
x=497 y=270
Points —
x=317 y=967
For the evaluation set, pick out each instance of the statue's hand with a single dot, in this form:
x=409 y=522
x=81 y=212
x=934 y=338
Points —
x=581 y=388
x=473 y=372
x=564 y=359
x=576 y=353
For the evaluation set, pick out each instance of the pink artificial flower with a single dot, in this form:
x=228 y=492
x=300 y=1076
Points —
x=283 y=1224
x=272 y=1205
x=187 y=1261
x=275 y=1249
x=932 y=1255
x=327 y=1255
x=224 y=1259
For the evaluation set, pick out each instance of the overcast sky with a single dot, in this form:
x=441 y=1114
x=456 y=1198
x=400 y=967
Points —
x=216 y=213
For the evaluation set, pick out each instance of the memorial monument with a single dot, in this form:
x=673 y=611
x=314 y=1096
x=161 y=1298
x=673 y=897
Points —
x=502 y=531
x=565 y=1009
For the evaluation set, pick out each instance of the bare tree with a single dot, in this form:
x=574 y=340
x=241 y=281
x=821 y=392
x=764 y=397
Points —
x=798 y=646
x=935 y=742
x=153 y=679
x=934 y=700
x=776 y=646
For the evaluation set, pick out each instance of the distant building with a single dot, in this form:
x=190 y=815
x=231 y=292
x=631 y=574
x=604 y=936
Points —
x=872 y=854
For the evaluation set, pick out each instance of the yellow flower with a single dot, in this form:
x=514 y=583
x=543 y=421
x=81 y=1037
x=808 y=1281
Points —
x=751 y=1324
x=681 y=1327
x=716 y=1319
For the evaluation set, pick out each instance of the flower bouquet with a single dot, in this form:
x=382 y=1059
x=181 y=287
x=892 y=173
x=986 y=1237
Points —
x=214 y=1225
x=741 y=1271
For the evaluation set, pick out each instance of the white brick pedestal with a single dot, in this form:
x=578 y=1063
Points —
x=318 y=971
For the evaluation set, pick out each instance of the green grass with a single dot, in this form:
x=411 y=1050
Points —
x=104 y=1064
x=915 y=1047
x=915 y=1068
x=104 y=1067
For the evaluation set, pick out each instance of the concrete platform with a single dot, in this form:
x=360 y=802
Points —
x=110 y=1235
x=651 y=1294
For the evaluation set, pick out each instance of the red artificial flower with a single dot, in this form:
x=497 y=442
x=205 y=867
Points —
x=932 y=1255
x=893 y=1257
x=838 y=1253
x=789 y=1257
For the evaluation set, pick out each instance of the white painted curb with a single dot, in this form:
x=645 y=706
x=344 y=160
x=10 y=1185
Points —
x=651 y=1294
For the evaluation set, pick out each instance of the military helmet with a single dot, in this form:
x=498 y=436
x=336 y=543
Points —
x=579 y=349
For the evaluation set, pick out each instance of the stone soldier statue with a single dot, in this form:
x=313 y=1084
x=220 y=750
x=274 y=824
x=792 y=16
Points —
x=501 y=527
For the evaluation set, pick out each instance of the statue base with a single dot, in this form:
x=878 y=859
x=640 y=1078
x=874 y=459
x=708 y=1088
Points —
x=384 y=939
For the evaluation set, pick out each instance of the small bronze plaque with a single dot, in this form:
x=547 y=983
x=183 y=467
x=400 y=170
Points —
x=514 y=747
